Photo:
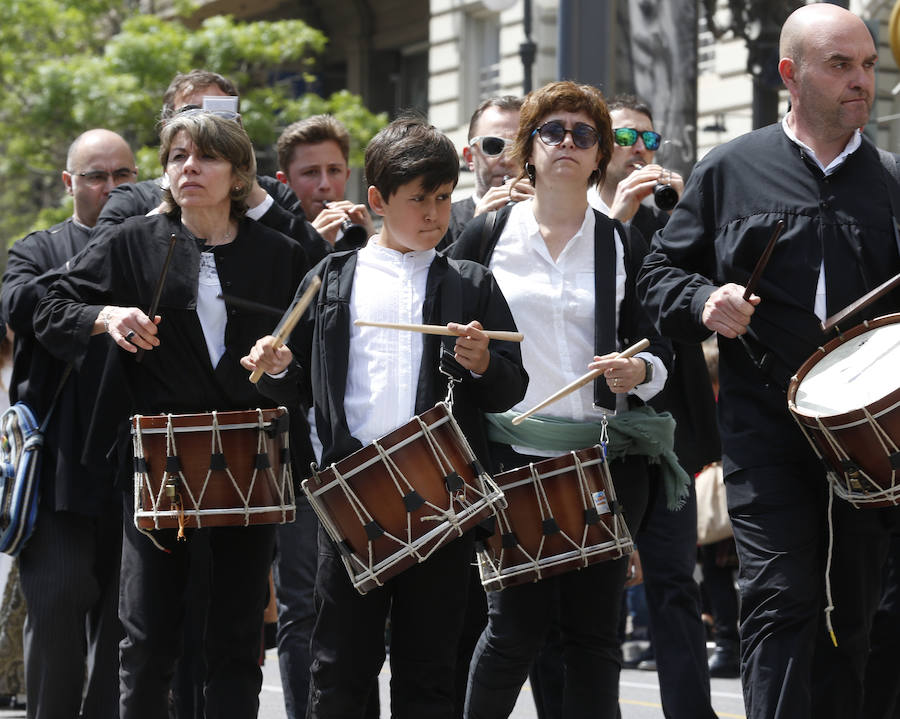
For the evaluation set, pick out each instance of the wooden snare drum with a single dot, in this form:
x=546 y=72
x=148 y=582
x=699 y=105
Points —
x=561 y=515
x=210 y=470
x=845 y=399
x=394 y=502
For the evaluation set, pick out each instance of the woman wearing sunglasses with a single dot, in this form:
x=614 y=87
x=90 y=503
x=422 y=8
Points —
x=568 y=275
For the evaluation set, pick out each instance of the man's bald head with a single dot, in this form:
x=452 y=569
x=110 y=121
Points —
x=97 y=161
x=828 y=60
x=806 y=22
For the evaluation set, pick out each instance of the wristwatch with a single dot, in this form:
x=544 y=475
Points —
x=648 y=370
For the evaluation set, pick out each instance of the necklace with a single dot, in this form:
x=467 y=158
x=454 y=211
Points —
x=204 y=242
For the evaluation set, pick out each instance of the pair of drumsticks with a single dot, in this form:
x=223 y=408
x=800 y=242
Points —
x=286 y=327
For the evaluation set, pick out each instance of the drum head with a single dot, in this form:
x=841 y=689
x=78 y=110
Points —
x=853 y=374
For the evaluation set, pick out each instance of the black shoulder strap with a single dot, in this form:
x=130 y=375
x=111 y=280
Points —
x=604 y=300
x=59 y=388
x=487 y=230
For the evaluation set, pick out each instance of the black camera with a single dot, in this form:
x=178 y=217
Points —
x=665 y=196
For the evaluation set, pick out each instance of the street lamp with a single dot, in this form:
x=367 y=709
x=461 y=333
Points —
x=528 y=48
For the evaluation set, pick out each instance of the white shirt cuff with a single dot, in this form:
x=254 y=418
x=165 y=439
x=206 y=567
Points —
x=650 y=389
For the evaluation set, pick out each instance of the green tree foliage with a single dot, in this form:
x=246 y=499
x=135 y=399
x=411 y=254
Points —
x=70 y=65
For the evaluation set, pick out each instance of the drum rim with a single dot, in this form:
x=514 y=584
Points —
x=325 y=477
x=558 y=464
x=856 y=416
x=154 y=423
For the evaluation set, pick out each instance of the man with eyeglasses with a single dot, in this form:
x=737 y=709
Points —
x=491 y=131
x=69 y=568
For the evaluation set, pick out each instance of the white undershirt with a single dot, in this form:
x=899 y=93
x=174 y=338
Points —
x=383 y=370
x=553 y=306
x=211 y=307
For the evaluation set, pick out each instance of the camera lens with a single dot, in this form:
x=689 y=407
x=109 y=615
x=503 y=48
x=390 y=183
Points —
x=665 y=196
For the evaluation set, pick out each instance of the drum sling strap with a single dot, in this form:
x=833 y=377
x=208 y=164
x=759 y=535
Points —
x=604 y=301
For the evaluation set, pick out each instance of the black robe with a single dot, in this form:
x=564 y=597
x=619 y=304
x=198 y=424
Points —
x=122 y=266
x=66 y=483
x=716 y=234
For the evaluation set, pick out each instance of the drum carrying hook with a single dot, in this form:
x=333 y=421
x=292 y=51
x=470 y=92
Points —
x=604 y=434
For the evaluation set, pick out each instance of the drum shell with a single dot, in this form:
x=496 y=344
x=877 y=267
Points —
x=567 y=504
x=853 y=430
x=370 y=480
x=221 y=505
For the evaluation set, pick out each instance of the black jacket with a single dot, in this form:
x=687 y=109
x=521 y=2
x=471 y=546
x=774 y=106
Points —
x=716 y=234
x=455 y=292
x=688 y=393
x=121 y=267
x=66 y=483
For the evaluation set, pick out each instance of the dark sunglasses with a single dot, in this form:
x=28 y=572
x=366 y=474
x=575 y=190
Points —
x=491 y=146
x=554 y=132
x=627 y=136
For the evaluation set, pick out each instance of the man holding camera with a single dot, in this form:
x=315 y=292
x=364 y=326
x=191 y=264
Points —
x=313 y=160
x=667 y=542
x=632 y=175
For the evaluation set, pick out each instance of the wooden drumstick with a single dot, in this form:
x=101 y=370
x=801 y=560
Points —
x=293 y=317
x=581 y=381
x=440 y=330
x=762 y=261
x=157 y=293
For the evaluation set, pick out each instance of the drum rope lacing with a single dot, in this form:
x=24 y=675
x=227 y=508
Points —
x=844 y=485
x=844 y=489
x=362 y=570
x=492 y=571
x=282 y=487
x=404 y=487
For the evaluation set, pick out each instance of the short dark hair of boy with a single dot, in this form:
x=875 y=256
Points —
x=407 y=150
x=188 y=82
x=630 y=102
x=311 y=131
x=508 y=103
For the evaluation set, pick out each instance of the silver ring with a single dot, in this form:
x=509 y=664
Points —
x=616 y=382
x=130 y=335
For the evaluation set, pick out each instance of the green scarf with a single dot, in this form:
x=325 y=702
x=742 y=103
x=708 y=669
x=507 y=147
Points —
x=641 y=430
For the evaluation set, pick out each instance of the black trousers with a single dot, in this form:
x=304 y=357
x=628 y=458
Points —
x=668 y=545
x=70 y=581
x=154 y=593
x=883 y=667
x=789 y=665
x=584 y=604
x=425 y=603
x=720 y=592
x=295 y=579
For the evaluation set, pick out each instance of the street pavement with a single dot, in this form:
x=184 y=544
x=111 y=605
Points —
x=639 y=696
